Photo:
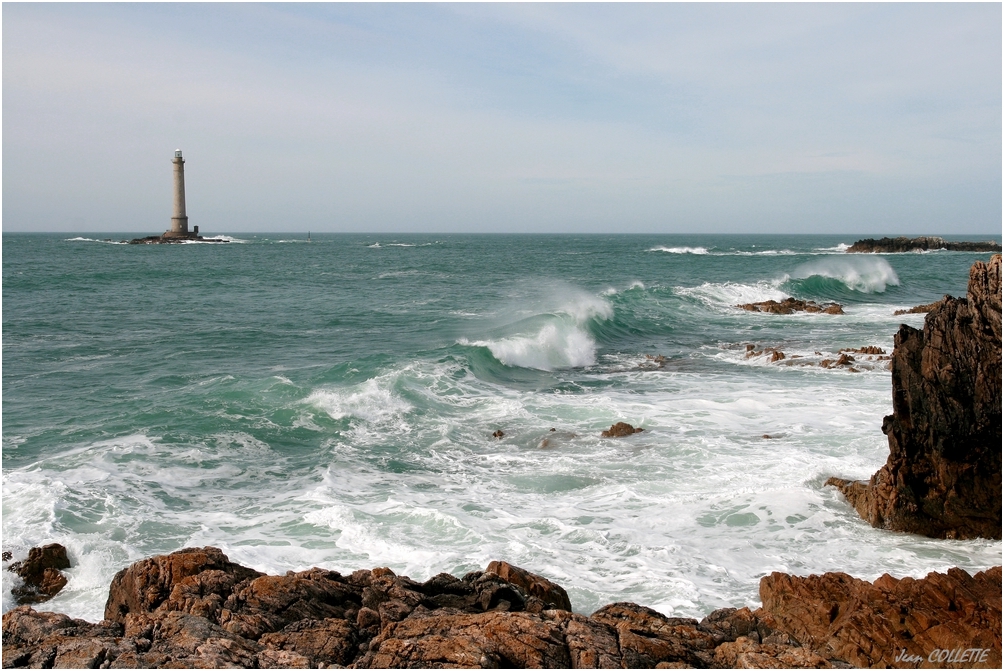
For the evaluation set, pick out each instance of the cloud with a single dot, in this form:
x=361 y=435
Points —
x=503 y=117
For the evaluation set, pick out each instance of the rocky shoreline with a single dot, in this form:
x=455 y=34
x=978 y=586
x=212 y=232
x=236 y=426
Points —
x=921 y=244
x=196 y=609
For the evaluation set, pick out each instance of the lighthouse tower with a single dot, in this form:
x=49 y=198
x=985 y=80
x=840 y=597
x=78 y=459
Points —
x=179 y=220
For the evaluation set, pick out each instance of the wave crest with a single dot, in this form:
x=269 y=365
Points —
x=551 y=340
x=859 y=273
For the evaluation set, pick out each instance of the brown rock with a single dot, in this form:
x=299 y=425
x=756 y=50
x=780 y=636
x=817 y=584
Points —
x=142 y=587
x=180 y=639
x=653 y=362
x=484 y=640
x=271 y=603
x=498 y=434
x=870 y=624
x=747 y=654
x=792 y=305
x=551 y=595
x=868 y=349
x=646 y=637
x=920 y=309
x=48 y=640
x=943 y=475
x=328 y=641
x=40 y=572
x=619 y=430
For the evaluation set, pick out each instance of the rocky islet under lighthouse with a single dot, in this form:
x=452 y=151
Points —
x=179 y=219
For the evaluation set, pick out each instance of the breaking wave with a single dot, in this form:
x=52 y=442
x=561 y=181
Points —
x=858 y=273
x=550 y=340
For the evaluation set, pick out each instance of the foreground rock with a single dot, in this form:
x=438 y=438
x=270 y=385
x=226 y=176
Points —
x=943 y=475
x=921 y=244
x=871 y=624
x=40 y=573
x=791 y=306
x=196 y=609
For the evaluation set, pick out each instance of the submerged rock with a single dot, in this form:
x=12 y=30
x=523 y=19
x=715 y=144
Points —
x=619 y=430
x=792 y=305
x=195 y=608
x=923 y=243
x=40 y=573
x=943 y=475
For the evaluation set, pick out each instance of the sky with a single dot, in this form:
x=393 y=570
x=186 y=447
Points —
x=550 y=118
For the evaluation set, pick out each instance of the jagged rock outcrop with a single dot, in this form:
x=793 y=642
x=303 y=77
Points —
x=792 y=305
x=943 y=475
x=923 y=243
x=41 y=573
x=196 y=609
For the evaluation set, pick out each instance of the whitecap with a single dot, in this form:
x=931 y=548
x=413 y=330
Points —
x=734 y=293
x=371 y=401
x=680 y=250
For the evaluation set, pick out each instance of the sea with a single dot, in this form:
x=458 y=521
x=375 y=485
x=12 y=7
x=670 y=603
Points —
x=332 y=402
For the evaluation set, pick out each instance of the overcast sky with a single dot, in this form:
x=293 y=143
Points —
x=651 y=118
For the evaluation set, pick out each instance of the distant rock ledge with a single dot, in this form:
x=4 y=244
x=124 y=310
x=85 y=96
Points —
x=921 y=244
x=196 y=609
x=172 y=239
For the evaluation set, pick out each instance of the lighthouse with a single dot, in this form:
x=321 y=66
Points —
x=178 y=233
x=179 y=220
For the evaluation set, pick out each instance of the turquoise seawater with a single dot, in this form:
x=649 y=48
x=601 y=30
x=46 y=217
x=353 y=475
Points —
x=332 y=404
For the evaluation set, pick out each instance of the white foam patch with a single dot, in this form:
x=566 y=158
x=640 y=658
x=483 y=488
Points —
x=215 y=239
x=371 y=401
x=107 y=242
x=867 y=274
x=729 y=294
x=842 y=247
x=680 y=250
